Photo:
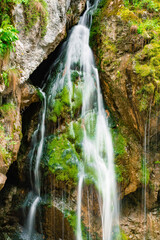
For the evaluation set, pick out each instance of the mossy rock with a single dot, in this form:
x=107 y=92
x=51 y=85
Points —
x=60 y=108
x=76 y=97
x=63 y=159
x=75 y=135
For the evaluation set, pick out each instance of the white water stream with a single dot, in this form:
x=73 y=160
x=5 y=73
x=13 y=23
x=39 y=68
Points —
x=97 y=142
x=35 y=157
x=98 y=160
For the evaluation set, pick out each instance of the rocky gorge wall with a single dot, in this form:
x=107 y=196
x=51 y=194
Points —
x=125 y=45
x=34 y=44
x=128 y=61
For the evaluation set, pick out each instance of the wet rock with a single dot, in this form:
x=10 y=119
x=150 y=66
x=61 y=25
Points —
x=28 y=95
x=31 y=49
x=3 y=179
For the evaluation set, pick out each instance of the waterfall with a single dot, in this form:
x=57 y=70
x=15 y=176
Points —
x=97 y=163
x=98 y=160
x=144 y=188
x=35 y=157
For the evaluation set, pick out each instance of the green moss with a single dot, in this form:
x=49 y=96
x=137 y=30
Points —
x=75 y=135
x=5 y=109
x=63 y=159
x=60 y=107
x=34 y=10
x=75 y=76
x=127 y=15
x=145 y=174
x=5 y=152
x=147 y=64
x=120 y=235
x=72 y=219
x=119 y=142
x=77 y=97
x=90 y=122
x=109 y=45
x=119 y=169
x=144 y=70
x=150 y=5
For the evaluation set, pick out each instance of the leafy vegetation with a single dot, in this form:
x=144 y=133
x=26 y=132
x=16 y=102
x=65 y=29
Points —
x=60 y=106
x=34 y=10
x=147 y=64
x=145 y=174
x=6 y=108
x=8 y=76
x=63 y=159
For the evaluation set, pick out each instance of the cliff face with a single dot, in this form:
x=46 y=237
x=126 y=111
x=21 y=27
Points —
x=126 y=49
x=32 y=48
x=38 y=36
x=126 y=46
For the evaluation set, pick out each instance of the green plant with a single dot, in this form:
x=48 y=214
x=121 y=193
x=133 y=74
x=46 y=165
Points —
x=8 y=36
x=72 y=219
x=6 y=108
x=76 y=97
x=34 y=10
x=119 y=172
x=119 y=142
x=60 y=106
x=63 y=159
x=145 y=174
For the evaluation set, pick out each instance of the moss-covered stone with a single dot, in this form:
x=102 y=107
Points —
x=76 y=97
x=60 y=107
x=34 y=10
x=63 y=159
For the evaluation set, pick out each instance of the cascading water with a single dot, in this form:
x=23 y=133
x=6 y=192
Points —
x=97 y=150
x=144 y=165
x=35 y=157
x=98 y=160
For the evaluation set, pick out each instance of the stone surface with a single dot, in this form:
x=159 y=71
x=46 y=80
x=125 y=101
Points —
x=31 y=49
x=3 y=179
x=116 y=47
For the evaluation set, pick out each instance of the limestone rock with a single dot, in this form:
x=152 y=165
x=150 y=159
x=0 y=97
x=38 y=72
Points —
x=31 y=49
x=28 y=95
x=3 y=179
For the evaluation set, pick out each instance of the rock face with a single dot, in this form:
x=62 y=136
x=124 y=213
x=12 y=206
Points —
x=124 y=56
x=31 y=48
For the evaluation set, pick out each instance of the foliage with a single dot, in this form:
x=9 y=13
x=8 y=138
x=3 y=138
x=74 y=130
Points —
x=63 y=159
x=5 y=152
x=60 y=106
x=120 y=235
x=40 y=95
x=72 y=219
x=34 y=10
x=119 y=142
x=119 y=172
x=8 y=36
x=127 y=15
x=75 y=135
x=10 y=75
x=145 y=174
x=150 y=5
x=6 y=108
x=76 y=97
x=147 y=64
x=74 y=76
